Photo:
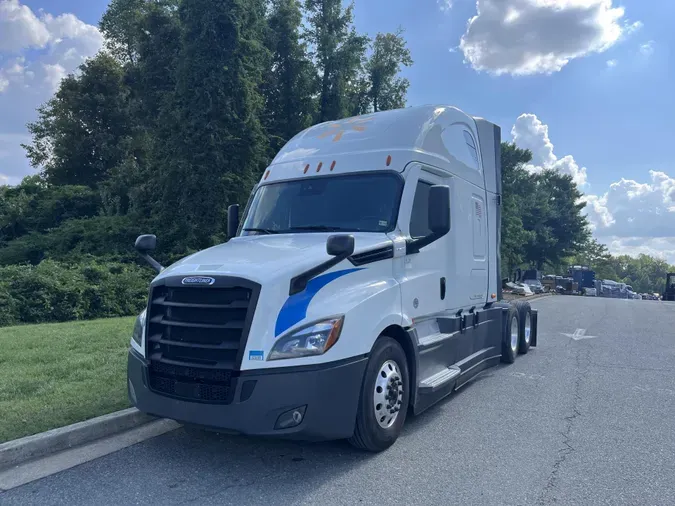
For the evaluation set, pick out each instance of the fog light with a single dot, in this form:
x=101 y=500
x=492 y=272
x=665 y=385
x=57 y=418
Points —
x=291 y=418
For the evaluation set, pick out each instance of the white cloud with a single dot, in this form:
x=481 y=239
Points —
x=612 y=63
x=65 y=42
x=634 y=27
x=20 y=28
x=53 y=74
x=659 y=247
x=631 y=217
x=632 y=209
x=37 y=49
x=647 y=48
x=530 y=133
x=444 y=5
x=524 y=37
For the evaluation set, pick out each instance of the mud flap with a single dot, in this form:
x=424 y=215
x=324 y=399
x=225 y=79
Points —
x=534 y=330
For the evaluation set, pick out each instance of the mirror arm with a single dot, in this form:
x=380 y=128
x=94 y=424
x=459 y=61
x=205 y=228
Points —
x=413 y=246
x=299 y=282
x=153 y=263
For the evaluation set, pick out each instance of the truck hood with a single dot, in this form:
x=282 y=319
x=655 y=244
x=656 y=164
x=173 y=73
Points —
x=265 y=257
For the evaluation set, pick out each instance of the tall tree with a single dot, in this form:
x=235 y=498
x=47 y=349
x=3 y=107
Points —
x=339 y=53
x=85 y=130
x=290 y=85
x=216 y=147
x=516 y=185
x=389 y=54
x=151 y=79
x=556 y=218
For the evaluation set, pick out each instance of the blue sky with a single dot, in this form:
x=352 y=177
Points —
x=587 y=83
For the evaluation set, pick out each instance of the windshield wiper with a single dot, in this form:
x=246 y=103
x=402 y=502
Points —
x=261 y=230
x=321 y=228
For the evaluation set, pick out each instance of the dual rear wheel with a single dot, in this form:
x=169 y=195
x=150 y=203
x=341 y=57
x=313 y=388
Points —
x=518 y=335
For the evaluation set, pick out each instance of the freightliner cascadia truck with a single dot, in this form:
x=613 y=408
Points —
x=360 y=286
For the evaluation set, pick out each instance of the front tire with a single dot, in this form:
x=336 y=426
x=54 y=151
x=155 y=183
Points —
x=384 y=399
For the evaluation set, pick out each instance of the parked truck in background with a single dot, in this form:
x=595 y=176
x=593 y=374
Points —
x=584 y=277
x=669 y=292
x=361 y=284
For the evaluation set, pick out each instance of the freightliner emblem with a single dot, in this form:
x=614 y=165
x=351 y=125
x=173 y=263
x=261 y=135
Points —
x=198 y=280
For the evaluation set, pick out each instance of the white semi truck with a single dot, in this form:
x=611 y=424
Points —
x=361 y=285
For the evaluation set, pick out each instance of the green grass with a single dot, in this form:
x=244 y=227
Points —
x=56 y=374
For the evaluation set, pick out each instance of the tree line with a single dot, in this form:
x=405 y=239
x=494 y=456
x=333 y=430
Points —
x=177 y=117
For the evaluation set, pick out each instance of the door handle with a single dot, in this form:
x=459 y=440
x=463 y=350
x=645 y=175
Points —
x=442 y=288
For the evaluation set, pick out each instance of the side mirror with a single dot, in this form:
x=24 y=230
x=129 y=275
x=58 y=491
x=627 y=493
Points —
x=340 y=245
x=146 y=243
x=232 y=220
x=439 y=209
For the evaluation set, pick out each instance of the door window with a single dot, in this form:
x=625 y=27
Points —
x=419 y=218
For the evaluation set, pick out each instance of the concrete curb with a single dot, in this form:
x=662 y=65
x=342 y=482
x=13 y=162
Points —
x=32 y=447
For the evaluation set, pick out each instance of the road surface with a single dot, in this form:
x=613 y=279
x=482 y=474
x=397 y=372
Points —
x=586 y=418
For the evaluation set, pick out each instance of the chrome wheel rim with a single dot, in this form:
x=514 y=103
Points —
x=528 y=328
x=514 y=334
x=388 y=394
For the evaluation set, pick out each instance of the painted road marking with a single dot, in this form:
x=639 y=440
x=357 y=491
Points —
x=579 y=334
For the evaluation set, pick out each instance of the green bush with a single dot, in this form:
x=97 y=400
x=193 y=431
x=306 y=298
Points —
x=74 y=239
x=54 y=292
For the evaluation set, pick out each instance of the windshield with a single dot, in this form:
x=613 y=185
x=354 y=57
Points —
x=354 y=203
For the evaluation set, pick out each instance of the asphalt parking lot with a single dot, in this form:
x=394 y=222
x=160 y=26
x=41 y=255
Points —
x=586 y=418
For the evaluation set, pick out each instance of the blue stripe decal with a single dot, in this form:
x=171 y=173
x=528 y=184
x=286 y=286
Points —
x=294 y=309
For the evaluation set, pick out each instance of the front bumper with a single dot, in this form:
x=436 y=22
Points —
x=330 y=393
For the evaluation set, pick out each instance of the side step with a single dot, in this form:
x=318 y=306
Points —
x=434 y=339
x=439 y=380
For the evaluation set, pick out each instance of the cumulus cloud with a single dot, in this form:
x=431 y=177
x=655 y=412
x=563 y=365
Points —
x=62 y=42
x=37 y=50
x=633 y=209
x=20 y=28
x=647 y=49
x=612 y=63
x=631 y=217
x=444 y=5
x=523 y=37
x=659 y=247
x=530 y=133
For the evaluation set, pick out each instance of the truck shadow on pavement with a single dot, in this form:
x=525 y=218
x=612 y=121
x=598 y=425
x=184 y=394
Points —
x=190 y=461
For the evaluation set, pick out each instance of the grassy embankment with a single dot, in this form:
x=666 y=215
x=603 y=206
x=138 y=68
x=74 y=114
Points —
x=56 y=374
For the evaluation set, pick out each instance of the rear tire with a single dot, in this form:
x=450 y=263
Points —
x=384 y=398
x=511 y=336
x=525 y=326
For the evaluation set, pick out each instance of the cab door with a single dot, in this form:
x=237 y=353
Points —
x=424 y=277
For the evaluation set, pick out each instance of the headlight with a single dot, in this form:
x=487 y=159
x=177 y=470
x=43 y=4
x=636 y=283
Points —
x=139 y=328
x=315 y=339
